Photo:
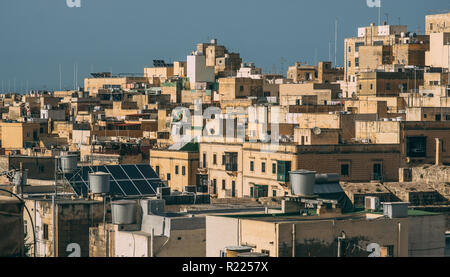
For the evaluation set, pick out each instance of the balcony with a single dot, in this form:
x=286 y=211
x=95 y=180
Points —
x=231 y=161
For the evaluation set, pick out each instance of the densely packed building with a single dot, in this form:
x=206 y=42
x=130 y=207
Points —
x=203 y=145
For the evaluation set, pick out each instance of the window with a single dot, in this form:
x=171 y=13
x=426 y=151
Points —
x=345 y=170
x=215 y=159
x=231 y=161
x=360 y=87
x=378 y=43
x=41 y=168
x=357 y=45
x=274 y=168
x=223 y=159
x=168 y=176
x=157 y=170
x=183 y=170
x=371 y=86
x=204 y=160
x=25 y=227
x=241 y=88
x=283 y=168
x=252 y=166
x=356 y=62
x=438 y=117
x=45 y=231
x=388 y=86
x=404 y=87
x=349 y=49
x=416 y=147
x=223 y=185
x=274 y=193
x=215 y=186
x=377 y=171
x=431 y=26
x=176 y=170
x=263 y=167
x=233 y=189
x=349 y=64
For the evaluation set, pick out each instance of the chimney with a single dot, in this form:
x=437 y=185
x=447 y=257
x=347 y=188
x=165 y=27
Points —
x=438 y=151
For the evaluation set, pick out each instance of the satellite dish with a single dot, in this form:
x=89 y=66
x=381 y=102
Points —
x=317 y=131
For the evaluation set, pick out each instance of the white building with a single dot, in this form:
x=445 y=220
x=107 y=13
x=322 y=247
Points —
x=249 y=71
x=197 y=71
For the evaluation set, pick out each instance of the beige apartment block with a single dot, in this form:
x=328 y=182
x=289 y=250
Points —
x=163 y=73
x=382 y=84
x=235 y=88
x=307 y=236
x=394 y=104
x=266 y=173
x=368 y=36
x=378 y=132
x=437 y=23
x=367 y=107
x=439 y=54
x=322 y=136
x=339 y=121
x=302 y=73
x=354 y=163
x=178 y=168
x=223 y=162
x=290 y=94
x=121 y=109
x=92 y=85
x=428 y=114
x=180 y=69
x=16 y=135
x=419 y=141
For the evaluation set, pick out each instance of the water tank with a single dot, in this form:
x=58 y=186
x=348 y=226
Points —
x=234 y=251
x=302 y=182
x=327 y=178
x=124 y=212
x=99 y=182
x=395 y=209
x=68 y=163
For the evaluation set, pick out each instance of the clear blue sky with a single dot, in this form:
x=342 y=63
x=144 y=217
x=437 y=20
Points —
x=126 y=35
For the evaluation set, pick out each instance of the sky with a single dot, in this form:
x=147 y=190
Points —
x=124 y=36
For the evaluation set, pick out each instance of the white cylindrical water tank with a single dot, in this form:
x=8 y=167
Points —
x=302 y=182
x=99 y=182
x=124 y=212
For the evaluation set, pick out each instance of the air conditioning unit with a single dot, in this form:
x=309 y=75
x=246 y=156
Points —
x=163 y=191
x=371 y=203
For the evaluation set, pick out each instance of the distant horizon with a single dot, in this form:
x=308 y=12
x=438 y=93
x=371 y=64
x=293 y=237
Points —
x=125 y=36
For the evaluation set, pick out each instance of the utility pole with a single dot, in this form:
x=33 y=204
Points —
x=339 y=244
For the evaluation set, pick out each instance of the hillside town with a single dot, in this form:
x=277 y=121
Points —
x=212 y=157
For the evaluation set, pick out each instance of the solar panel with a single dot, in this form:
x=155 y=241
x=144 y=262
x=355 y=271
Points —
x=125 y=180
